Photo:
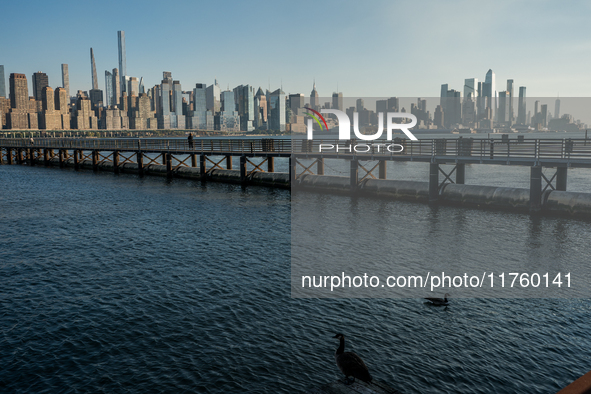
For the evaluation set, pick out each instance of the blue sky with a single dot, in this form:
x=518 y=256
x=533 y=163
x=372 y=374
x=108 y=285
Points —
x=369 y=48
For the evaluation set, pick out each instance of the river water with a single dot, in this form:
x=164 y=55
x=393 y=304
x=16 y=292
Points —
x=115 y=283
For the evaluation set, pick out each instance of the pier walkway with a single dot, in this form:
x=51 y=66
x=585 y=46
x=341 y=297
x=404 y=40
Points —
x=306 y=157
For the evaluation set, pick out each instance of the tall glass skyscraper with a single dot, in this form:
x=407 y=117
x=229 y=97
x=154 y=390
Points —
x=122 y=61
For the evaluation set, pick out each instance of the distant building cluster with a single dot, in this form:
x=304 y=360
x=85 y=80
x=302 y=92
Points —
x=483 y=107
x=125 y=104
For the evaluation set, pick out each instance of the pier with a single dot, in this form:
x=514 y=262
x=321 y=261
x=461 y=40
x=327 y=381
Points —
x=211 y=160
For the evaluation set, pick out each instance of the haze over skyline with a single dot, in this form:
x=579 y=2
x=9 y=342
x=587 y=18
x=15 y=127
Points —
x=423 y=44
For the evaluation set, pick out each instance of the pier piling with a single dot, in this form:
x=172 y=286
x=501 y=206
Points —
x=535 y=189
x=433 y=182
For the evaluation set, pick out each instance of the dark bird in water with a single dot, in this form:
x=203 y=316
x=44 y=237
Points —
x=350 y=364
x=439 y=301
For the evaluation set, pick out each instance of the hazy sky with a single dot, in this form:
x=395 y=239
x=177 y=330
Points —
x=368 y=48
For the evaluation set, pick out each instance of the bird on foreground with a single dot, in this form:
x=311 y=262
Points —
x=350 y=364
x=439 y=301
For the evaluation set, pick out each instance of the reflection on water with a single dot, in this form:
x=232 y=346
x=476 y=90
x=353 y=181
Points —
x=121 y=284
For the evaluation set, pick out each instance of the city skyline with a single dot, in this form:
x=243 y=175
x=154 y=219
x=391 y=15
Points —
x=267 y=51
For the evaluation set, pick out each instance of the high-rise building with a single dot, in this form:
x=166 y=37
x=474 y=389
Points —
x=490 y=93
x=40 y=80
x=260 y=108
x=108 y=88
x=2 y=82
x=314 y=101
x=521 y=108
x=503 y=110
x=66 y=79
x=133 y=87
x=213 y=97
x=470 y=86
x=544 y=115
x=557 y=109
x=228 y=118
x=244 y=97
x=93 y=70
x=510 y=101
x=337 y=101
x=116 y=88
x=277 y=107
x=122 y=59
x=19 y=92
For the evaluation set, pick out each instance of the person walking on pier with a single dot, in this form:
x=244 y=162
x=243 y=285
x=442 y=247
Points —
x=190 y=140
x=32 y=141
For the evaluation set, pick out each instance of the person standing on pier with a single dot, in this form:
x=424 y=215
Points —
x=32 y=141
x=190 y=140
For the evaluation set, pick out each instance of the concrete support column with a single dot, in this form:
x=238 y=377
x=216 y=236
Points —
x=270 y=164
x=164 y=158
x=116 y=162
x=30 y=155
x=193 y=160
x=76 y=160
x=535 y=189
x=168 y=157
x=139 y=158
x=460 y=173
x=202 y=168
x=9 y=155
x=228 y=162
x=46 y=157
x=320 y=166
x=95 y=156
x=61 y=157
x=382 y=169
x=243 y=169
x=292 y=171
x=433 y=182
x=354 y=177
x=561 y=178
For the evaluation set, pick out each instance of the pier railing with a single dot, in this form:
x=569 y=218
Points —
x=536 y=149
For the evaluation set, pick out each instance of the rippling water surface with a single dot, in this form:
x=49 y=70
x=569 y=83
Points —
x=120 y=284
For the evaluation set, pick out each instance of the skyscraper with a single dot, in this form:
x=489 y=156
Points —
x=314 y=101
x=490 y=91
x=213 y=97
x=557 y=108
x=470 y=86
x=66 y=79
x=521 y=106
x=40 y=80
x=122 y=60
x=510 y=101
x=337 y=101
x=116 y=88
x=19 y=92
x=2 y=82
x=93 y=70
x=277 y=107
x=108 y=88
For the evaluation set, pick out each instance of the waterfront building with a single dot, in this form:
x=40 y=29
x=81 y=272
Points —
x=228 y=118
